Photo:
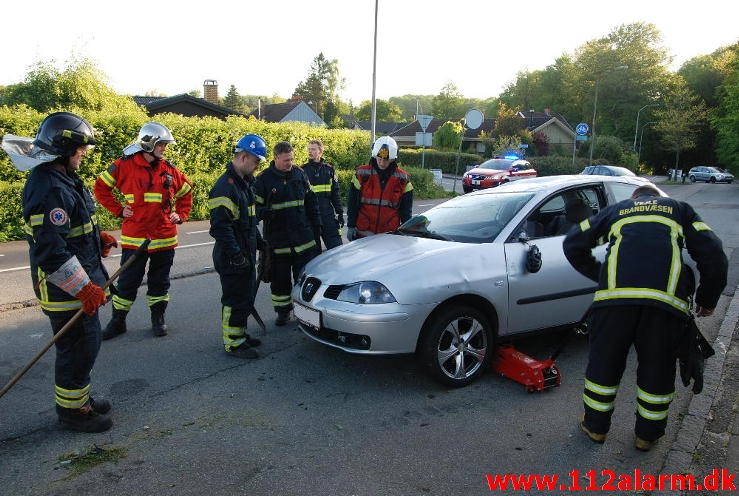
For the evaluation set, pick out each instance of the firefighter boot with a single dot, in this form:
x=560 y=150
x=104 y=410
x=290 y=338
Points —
x=282 y=317
x=84 y=419
x=158 y=327
x=117 y=324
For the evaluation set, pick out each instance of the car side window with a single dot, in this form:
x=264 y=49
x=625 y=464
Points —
x=621 y=191
x=562 y=211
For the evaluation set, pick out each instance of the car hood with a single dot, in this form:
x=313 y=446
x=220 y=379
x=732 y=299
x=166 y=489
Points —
x=415 y=270
x=368 y=259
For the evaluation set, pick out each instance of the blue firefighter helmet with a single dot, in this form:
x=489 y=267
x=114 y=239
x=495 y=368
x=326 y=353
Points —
x=254 y=144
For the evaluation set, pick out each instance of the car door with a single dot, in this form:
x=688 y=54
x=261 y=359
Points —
x=557 y=294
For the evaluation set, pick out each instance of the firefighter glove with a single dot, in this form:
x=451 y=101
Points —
x=107 y=242
x=340 y=220
x=351 y=233
x=92 y=296
x=692 y=354
x=240 y=261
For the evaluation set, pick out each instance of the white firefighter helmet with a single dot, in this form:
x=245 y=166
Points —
x=385 y=147
x=150 y=134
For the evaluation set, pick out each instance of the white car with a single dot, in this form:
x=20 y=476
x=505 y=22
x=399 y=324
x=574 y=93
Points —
x=451 y=282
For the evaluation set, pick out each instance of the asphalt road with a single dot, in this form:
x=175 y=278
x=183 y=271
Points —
x=304 y=419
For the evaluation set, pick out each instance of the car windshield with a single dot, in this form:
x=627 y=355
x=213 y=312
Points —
x=496 y=164
x=714 y=169
x=467 y=219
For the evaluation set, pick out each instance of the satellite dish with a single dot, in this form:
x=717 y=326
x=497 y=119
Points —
x=473 y=119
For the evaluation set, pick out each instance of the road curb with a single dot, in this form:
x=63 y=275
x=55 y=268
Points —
x=680 y=457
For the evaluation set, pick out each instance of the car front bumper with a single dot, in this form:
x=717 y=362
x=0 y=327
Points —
x=387 y=328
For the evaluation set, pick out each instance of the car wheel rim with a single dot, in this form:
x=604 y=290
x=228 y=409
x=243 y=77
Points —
x=461 y=348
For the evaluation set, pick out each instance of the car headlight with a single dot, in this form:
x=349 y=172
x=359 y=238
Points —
x=368 y=292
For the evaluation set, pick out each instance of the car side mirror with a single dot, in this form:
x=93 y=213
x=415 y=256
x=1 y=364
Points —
x=533 y=259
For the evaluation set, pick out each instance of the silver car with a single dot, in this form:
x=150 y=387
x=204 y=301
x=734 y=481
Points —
x=452 y=281
x=709 y=174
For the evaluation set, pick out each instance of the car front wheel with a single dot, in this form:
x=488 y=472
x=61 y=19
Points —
x=713 y=179
x=456 y=345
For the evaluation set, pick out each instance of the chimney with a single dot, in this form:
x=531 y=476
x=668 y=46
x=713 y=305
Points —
x=210 y=91
x=548 y=111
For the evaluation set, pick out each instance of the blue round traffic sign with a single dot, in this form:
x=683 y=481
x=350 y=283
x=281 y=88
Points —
x=582 y=129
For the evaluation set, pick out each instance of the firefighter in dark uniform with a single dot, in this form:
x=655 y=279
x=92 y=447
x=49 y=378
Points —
x=324 y=184
x=65 y=249
x=291 y=222
x=643 y=298
x=381 y=195
x=233 y=224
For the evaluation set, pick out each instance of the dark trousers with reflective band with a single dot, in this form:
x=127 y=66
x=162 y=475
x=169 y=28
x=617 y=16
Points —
x=237 y=300
x=655 y=334
x=285 y=271
x=330 y=233
x=76 y=352
x=157 y=279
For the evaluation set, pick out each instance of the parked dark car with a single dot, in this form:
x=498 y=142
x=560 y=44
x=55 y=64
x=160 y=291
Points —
x=710 y=175
x=495 y=172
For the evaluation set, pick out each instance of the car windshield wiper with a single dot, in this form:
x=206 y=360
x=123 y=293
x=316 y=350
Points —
x=425 y=234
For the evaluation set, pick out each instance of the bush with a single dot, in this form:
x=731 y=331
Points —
x=446 y=161
x=204 y=146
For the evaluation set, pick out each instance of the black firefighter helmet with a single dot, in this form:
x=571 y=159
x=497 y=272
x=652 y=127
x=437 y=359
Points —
x=61 y=133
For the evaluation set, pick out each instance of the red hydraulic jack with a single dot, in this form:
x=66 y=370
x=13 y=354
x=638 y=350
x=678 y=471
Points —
x=536 y=375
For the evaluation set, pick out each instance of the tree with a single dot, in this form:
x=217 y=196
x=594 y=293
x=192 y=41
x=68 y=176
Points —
x=412 y=105
x=507 y=122
x=234 y=101
x=726 y=119
x=385 y=111
x=321 y=85
x=448 y=136
x=448 y=104
x=79 y=86
x=680 y=118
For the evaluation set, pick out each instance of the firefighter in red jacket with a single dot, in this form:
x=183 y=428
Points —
x=157 y=197
x=65 y=246
x=381 y=195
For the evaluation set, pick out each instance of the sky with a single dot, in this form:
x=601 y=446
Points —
x=266 y=47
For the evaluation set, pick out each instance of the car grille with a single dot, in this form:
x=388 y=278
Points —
x=354 y=341
x=476 y=177
x=332 y=292
x=310 y=286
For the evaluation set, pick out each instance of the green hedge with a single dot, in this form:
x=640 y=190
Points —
x=446 y=161
x=204 y=146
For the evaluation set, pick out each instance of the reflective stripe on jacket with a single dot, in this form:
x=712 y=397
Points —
x=233 y=219
x=60 y=224
x=293 y=209
x=153 y=192
x=644 y=263
x=382 y=208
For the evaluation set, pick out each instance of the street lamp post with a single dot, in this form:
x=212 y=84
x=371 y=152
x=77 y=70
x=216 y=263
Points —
x=636 y=128
x=595 y=107
x=641 y=135
x=374 y=80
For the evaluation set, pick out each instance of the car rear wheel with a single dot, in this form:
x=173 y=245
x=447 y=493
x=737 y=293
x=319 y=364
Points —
x=692 y=179
x=456 y=345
